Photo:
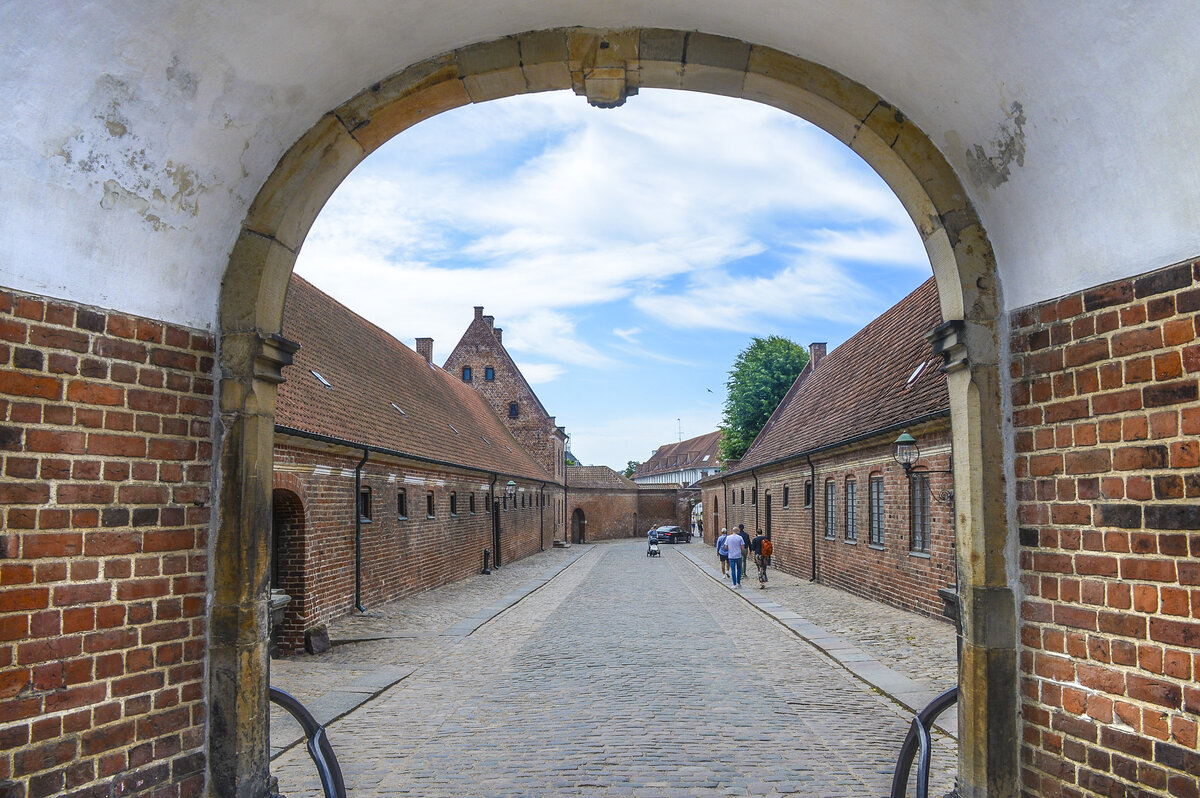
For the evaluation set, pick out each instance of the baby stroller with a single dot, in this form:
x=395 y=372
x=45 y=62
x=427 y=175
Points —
x=652 y=547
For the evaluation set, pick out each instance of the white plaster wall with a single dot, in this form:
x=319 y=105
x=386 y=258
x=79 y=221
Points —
x=137 y=133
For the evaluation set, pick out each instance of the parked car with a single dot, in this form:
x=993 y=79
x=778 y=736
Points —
x=673 y=534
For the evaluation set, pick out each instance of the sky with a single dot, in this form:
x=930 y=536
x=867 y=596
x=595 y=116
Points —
x=629 y=254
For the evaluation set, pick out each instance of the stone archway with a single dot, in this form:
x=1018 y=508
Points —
x=607 y=66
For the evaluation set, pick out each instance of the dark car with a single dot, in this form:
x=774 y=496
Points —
x=673 y=534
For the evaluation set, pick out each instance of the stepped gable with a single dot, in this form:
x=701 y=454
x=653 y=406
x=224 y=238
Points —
x=685 y=454
x=883 y=376
x=369 y=370
x=598 y=477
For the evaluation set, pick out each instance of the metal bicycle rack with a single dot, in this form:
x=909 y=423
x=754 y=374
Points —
x=319 y=747
x=918 y=741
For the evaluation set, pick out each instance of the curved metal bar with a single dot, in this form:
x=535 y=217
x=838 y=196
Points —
x=919 y=740
x=319 y=747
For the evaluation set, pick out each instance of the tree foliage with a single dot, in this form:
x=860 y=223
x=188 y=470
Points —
x=630 y=467
x=761 y=376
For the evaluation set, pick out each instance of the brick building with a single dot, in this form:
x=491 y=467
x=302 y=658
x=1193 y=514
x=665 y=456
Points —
x=160 y=178
x=481 y=361
x=681 y=463
x=605 y=505
x=820 y=478
x=390 y=474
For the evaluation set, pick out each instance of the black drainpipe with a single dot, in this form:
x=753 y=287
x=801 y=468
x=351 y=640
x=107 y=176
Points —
x=812 y=511
x=358 y=605
x=757 y=499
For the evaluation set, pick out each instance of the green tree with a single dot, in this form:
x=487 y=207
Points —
x=760 y=378
x=630 y=467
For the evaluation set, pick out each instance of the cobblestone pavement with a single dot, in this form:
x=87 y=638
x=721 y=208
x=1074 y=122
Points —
x=623 y=676
x=922 y=648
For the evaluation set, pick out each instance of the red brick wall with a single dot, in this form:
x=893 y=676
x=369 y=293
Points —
x=533 y=429
x=399 y=556
x=105 y=445
x=1108 y=488
x=613 y=514
x=891 y=573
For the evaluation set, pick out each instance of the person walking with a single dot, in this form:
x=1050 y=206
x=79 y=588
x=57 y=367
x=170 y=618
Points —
x=737 y=548
x=745 y=536
x=723 y=553
x=761 y=547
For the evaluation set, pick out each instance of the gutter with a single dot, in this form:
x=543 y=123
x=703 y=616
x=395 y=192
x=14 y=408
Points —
x=358 y=605
x=725 y=493
x=812 y=512
x=366 y=447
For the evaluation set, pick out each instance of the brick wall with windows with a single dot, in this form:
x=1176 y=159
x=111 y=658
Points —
x=400 y=556
x=105 y=449
x=893 y=572
x=1108 y=488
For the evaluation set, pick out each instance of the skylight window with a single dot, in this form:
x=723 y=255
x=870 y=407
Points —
x=321 y=379
x=917 y=372
x=485 y=440
x=452 y=429
x=705 y=459
x=399 y=409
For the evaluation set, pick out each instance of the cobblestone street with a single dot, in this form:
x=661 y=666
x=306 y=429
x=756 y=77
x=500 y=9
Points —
x=620 y=676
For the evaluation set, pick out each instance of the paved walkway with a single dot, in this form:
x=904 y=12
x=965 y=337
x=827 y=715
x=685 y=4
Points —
x=619 y=676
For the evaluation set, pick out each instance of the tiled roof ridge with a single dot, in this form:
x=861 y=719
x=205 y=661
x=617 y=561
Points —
x=332 y=336
x=866 y=378
x=699 y=445
x=601 y=476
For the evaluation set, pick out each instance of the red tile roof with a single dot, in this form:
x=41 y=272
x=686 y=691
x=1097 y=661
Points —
x=374 y=377
x=884 y=376
x=685 y=454
x=597 y=477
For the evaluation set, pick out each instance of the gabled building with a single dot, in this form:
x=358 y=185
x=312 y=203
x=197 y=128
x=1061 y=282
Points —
x=391 y=475
x=681 y=463
x=821 y=481
x=480 y=361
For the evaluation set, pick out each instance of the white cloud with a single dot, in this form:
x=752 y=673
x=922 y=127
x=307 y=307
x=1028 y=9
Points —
x=541 y=373
x=629 y=334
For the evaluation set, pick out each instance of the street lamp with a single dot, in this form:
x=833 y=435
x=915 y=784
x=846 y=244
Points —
x=907 y=453
x=510 y=490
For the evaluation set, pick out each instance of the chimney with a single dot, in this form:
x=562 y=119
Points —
x=499 y=335
x=425 y=349
x=490 y=321
x=478 y=312
x=815 y=353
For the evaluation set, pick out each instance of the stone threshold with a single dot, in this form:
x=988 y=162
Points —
x=890 y=683
x=336 y=704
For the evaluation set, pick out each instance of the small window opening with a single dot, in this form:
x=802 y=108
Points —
x=466 y=373
x=489 y=373
x=364 y=504
x=453 y=503
x=402 y=503
x=429 y=506
x=513 y=410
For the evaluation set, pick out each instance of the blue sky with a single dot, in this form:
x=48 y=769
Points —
x=629 y=254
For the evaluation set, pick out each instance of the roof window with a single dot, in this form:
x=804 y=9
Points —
x=321 y=379
x=917 y=372
x=399 y=409
x=485 y=440
x=452 y=429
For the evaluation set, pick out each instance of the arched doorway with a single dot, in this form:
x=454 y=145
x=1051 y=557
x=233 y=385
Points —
x=578 y=525
x=287 y=565
x=606 y=66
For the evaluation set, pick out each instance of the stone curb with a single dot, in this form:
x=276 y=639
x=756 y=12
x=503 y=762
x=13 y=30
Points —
x=338 y=703
x=890 y=683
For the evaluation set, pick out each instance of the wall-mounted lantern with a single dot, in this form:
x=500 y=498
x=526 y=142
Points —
x=906 y=452
x=510 y=490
